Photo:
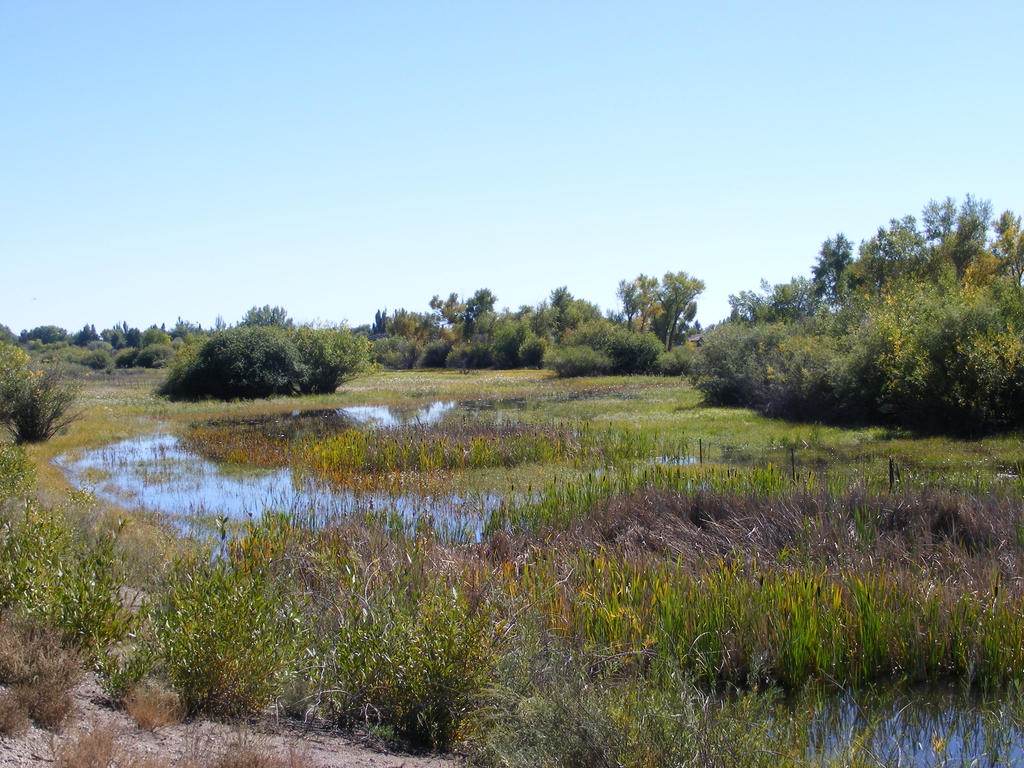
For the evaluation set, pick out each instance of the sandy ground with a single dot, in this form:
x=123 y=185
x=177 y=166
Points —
x=198 y=742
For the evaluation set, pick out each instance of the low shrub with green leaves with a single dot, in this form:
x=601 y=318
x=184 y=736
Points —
x=405 y=655
x=222 y=638
x=35 y=403
x=570 y=361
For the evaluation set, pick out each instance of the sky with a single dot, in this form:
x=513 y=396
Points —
x=193 y=159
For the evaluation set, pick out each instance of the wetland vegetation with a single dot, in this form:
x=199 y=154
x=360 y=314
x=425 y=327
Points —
x=648 y=581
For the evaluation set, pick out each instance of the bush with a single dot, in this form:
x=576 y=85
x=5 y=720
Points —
x=508 y=337
x=223 y=639
x=678 y=361
x=576 y=360
x=241 y=362
x=154 y=356
x=627 y=351
x=329 y=355
x=39 y=670
x=407 y=658
x=473 y=354
x=531 y=352
x=125 y=358
x=435 y=354
x=97 y=359
x=395 y=352
x=34 y=404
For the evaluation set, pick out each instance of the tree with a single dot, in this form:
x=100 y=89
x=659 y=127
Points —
x=86 y=336
x=478 y=306
x=1009 y=245
x=44 y=334
x=896 y=252
x=267 y=317
x=629 y=294
x=34 y=404
x=676 y=296
x=957 y=236
x=828 y=275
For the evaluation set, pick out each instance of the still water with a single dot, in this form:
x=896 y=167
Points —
x=157 y=472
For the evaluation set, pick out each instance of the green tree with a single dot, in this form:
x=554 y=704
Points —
x=957 y=236
x=154 y=335
x=267 y=317
x=828 y=274
x=86 y=336
x=44 y=334
x=678 y=307
x=479 y=306
x=1008 y=247
x=329 y=356
x=896 y=252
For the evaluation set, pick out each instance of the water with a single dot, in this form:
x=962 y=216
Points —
x=388 y=416
x=157 y=472
x=920 y=728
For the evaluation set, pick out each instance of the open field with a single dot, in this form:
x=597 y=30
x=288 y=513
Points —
x=637 y=579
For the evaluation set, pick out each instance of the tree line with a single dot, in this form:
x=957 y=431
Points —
x=266 y=353
x=921 y=326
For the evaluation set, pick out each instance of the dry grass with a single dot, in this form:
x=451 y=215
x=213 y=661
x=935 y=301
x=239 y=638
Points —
x=95 y=747
x=13 y=717
x=153 y=706
x=39 y=670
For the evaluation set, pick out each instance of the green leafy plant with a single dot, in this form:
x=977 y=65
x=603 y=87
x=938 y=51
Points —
x=222 y=638
x=35 y=404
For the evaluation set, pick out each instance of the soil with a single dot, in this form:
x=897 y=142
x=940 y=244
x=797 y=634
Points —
x=202 y=742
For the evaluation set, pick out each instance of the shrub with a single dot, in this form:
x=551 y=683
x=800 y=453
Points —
x=627 y=351
x=395 y=352
x=13 y=717
x=406 y=658
x=94 y=748
x=34 y=404
x=329 y=355
x=39 y=670
x=154 y=356
x=473 y=354
x=125 y=358
x=508 y=338
x=435 y=354
x=222 y=639
x=154 y=335
x=152 y=706
x=241 y=362
x=678 y=361
x=576 y=360
x=97 y=359
x=531 y=352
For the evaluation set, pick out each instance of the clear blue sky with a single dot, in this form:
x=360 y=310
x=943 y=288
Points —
x=165 y=159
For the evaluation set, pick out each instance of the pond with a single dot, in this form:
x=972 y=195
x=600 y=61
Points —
x=159 y=473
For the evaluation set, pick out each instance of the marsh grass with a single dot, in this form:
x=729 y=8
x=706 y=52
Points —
x=617 y=609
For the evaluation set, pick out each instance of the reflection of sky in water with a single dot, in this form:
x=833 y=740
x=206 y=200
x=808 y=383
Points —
x=384 y=416
x=906 y=730
x=156 y=472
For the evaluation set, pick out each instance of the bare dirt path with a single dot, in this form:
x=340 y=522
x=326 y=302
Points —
x=195 y=744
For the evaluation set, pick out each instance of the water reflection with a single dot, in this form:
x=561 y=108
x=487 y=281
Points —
x=390 y=416
x=925 y=727
x=157 y=472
